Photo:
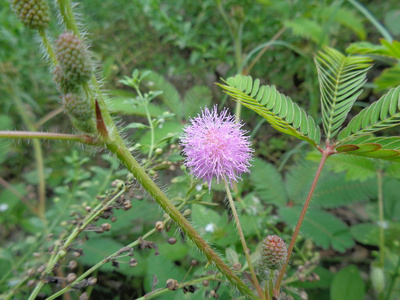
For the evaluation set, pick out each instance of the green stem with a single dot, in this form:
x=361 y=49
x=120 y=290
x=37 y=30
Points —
x=325 y=154
x=59 y=254
x=243 y=240
x=48 y=46
x=37 y=148
x=151 y=130
x=271 y=284
x=182 y=285
x=68 y=17
x=385 y=33
x=85 y=139
x=396 y=273
x=97 y=266
x=379 y=176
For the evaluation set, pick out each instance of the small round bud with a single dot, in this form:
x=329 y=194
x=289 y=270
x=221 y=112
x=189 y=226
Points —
x=88 y=208
x=35 y=14
x=84 y=296
x=106 y=226
x=237 y=266
x=113 y=219
x=378 y=279
x=71 y=277
x=92 y=281
x=127 y=205
x=41 y=269
x=77 y=254
x=64 y=86
x=273 y=253
x=74 y=58
x=133 y=262
x=205 y=283
x=158 y=151
x=31 y=283
x=172 y=284
x=194 y=262
x=73 y=264
x=160 y=225
x=171 y=240
x=187 y=212
x=30 y=272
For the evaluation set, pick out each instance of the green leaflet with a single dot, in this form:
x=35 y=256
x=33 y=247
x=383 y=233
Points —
x=386 y=148
x=381 y=114
x=340 y=79
x=279 y=110
x=386 y=49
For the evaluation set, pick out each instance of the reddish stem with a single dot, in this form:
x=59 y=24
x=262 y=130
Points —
x=325 y=154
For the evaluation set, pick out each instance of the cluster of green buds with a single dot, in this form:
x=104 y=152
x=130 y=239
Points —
x=74 y=70
x=35 y=14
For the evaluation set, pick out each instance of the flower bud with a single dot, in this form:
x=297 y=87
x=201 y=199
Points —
x=378 y=279
x=73 y=58
x=64 y=86
x=77 y=107
x=273 y=253
x=35 y=14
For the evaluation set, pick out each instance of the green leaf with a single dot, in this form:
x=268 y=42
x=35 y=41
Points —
x=323 y=228
x=356 y=167
x=340 y=80
x=333 y=190
x=389 y=78
x=348 y=285
x=268 y=183
x=386 y=49
x=307 y=29
x=366 y=233
x=279 y=110
x=345 y=17
x=381 y=114
x=170 y=96
x=298 y=181
x=386 y=148
x=196 y=98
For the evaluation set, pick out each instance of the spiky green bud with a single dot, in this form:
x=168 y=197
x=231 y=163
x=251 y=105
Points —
x=35 y=14
x=74 y=58
x=77 y=107
x=273 y=253
x=64 y=86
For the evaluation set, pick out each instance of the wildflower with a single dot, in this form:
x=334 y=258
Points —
x=216 y=146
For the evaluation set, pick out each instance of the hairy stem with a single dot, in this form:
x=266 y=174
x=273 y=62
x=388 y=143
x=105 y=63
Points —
x=325 y=154
x=243 y=240
x=85 y=139
x=48 y=46
x=379 y=176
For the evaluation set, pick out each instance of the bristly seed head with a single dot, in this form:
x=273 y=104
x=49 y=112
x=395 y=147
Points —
x=273 y=253
x=35 y=14
x=74 y=58
x=216 y=146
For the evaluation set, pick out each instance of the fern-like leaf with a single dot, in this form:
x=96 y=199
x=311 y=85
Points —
x=279 y=110
x=381 y=114
x=340 y=79
x=386 y=49
x=386 y=148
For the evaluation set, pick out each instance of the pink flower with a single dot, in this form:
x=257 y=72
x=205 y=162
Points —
x=216 y=146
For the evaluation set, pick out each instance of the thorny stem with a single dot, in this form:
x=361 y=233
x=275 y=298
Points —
x=243 y=240
x=325 y=154
x=379 y=176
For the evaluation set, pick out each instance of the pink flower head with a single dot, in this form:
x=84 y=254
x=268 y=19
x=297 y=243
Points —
x=216 y=146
